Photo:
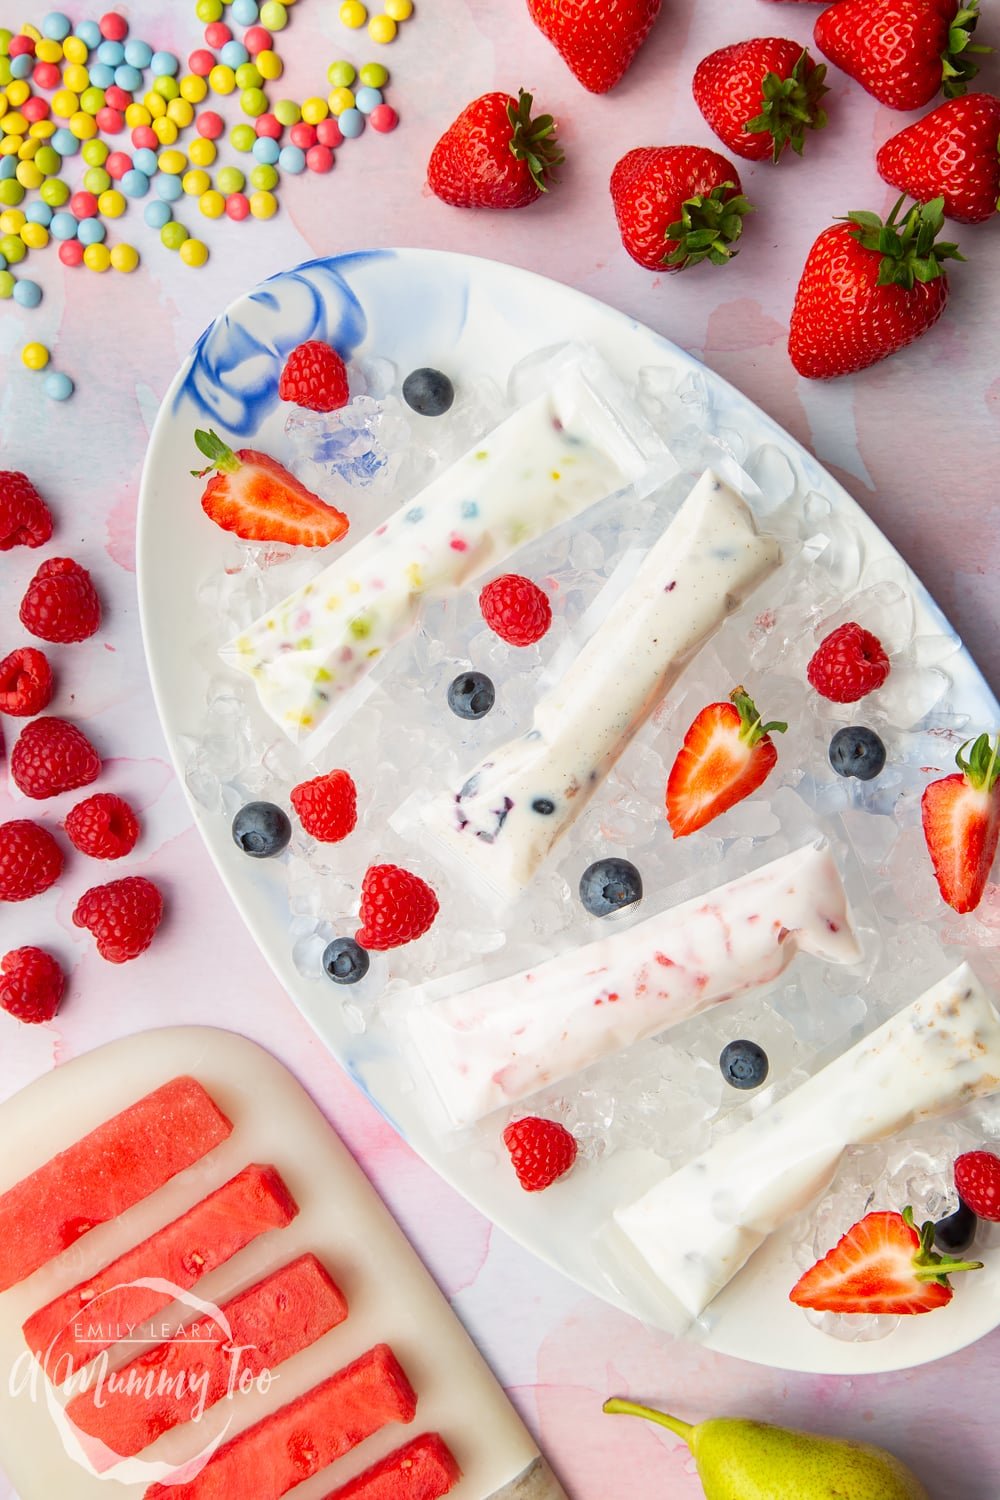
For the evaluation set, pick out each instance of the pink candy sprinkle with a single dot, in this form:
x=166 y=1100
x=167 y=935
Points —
x=145 y=135
x=201 y=62
x=45 y=76
x=217 y=34
x=383 y=117
x=113 y=27
x=328 y=132
x=210 y=125
x=237 y=207
x=117 y=164
x=117 y=98
x=21 y=44
x=319 y=158
x=269 y=125
x=111 y=121
x=83 y=205
x=35 y=109
x=303 y=135
x=71 y=252
x=257 y=39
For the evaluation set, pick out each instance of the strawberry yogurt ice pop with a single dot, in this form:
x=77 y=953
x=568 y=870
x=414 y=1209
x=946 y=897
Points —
x=561 y=452
x=491 y=1047
x=518 y=802
x=690 y=1234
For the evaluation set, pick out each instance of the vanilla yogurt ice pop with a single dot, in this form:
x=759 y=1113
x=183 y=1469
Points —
x=577 y=443
x=492 y=1046
x=699 y=1226
x=521 y=799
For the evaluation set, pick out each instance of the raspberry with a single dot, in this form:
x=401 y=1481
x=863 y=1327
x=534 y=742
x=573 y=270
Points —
x=30 y=860
x=849 y=663
x=25 y=682
x=315 y=377
x=516 y=609
x=977 y=1178
x=541 y=1151
x=61 y=603
x=123 y=916
x=25 y=520
x=103 y=826
x=52 y=756
x=327 y=806
x=396 y=907
x=31 y=984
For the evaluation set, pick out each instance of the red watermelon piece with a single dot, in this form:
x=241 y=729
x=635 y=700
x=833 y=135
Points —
x=74 y=1328
x=264 y=1325
x=424 y=1469
x=105 y=1173
x=292 y=1444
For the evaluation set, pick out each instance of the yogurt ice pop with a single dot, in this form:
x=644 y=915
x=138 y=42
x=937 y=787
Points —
x=492 y=1046
x=698 y=1227
x=522 y=798
x=577 y=443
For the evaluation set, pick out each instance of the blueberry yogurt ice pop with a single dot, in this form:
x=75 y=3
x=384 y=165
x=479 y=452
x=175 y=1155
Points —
x=579 y=442
x=518 y=802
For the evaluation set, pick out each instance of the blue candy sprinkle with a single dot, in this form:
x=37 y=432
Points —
x=102 y=75
x=58 y=387
x=157 y=213
x=234 y=54
x=56 y=26
x=292 y=159
x=111 y=53
x=64 y=226
x=65 y=142
x=266 y=150
x=91 y=232
x=128 y=78
x=351 y=122
x=22 y=66
x=138 y=54
x=469 y=510
x=414 y=515
x=245 y=12
x=8 y=167
x=145 y=161
x=90 y=34
x=38 y=213
x=27 y=293
x=168 y=187
x=164 y=64
x=367 y=99
x=134 y=184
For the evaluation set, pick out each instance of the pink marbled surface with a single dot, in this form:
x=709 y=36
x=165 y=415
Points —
x=915 y=439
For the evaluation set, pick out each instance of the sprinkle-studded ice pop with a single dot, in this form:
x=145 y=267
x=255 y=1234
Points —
x=690 y=1234
x=492 y=1046
x=556 y=455
x=518 y=802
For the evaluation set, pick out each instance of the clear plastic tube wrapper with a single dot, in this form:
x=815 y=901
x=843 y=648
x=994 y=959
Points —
x=689 y=1235
x=493 y=1046
x=524 y=796
x=579 y=442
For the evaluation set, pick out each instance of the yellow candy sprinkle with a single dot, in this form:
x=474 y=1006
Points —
x=196 y=182
x=75 y=50
x=76 y=78
x=314 y=110
x=111 y=203
x=11 y=144
x=28 y=30
x=35 y=236
x=35 y=356
x=195 y=252
x=171 y=162
x=42 y=130
x=137 y=114
x=181 y=111
x=124 y=257
x=202 y=151
x=83 y=126
x=212 y=204
x=399 y=10
x=28 y=149
x=29 y=177
x=166 y=131
x=64 y=103
x=353 y=14
x=156 y=104
x=12 y=220
x=193 y=88
x=48 y=50
x=263 y=205
x=97 y=257
x=18 y=90
x=269 y=64
x=382 y=29
x=4 y=104
x=341 y=99
x=222 y=80
x=13 y=123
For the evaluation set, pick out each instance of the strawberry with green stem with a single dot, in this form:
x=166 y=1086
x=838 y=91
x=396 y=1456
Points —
x=761 y=96
x=254 y=496
x=677 y=206
x=903 y=52
x=961 y=822
x=952 y=153
x=726 y=755
x=494 y=155
x=883 y=1264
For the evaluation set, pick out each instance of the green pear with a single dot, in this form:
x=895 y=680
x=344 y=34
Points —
x=743 y=1460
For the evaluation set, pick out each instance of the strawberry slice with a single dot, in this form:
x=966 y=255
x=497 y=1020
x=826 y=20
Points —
x=257 y=498
x=727 y=753
x=961 y=817
x=883 y=1264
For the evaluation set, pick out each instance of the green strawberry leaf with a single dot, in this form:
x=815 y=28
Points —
x=220 y=454
x=910 y=250
x=791 y=106
x=708 y=228
x=751 y=728
x=982 y=765
x=957 y=64
x=533 y=141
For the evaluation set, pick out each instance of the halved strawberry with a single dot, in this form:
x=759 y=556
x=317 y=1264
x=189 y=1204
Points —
x=881 y=1265
x=961 y=817
x=257 y=498
x=727 y=753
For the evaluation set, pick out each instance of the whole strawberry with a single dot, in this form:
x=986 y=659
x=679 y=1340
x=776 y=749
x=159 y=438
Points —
x=494 y=155
x=60 y=603
x=254 y=496
x=902 y=51
x=761 y=96
x=315 y=377
x=31 y=985
x=868 y=289
x=327 y=806
x=52 y=756
x=25 y=682
x=677 y=205
x=516 y=609
x=952 y=154
x=977 y=1178
x=396 y=908
x=122 y=915
x=848 y=664
x=30 y=860
x=103 y=826
x=25 y=519
x=597 y=39
x=541 y=1150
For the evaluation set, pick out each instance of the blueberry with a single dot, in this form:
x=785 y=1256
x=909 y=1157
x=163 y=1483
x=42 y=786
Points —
x=543 y=805
x=345 y=961
x=428 y=392
x=954 y=1234
x=857 y=751
x=608 y=885
x=744 y=1064
x=260 y=829
x=471 y=695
